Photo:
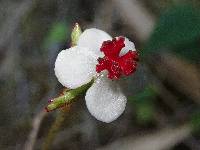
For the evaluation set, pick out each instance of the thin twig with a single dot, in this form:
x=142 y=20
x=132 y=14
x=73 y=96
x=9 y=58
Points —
x=29 y=145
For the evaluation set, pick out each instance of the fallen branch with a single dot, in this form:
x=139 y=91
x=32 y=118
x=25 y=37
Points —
x=185 y=77
x=134 y=14
x=160 y=140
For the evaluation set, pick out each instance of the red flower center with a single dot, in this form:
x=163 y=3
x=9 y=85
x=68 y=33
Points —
x=115 y=64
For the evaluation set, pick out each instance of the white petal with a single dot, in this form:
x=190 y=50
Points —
x=128 y=46
x=105 y=101
x=75 y=66
x=93 y=39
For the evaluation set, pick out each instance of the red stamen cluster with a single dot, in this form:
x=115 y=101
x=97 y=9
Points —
x=116 y=65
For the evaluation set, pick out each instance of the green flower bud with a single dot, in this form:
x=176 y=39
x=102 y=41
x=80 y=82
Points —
x=76 y=32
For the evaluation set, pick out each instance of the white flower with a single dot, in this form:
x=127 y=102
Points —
x=76 y=66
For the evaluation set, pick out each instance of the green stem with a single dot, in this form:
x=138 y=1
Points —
x=60 y=118
x=67 y=97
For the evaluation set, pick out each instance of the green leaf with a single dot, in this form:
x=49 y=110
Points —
x=57 y=33
x=144 y=113
x=178 y=26
x=144 y=105
x=195 y=122
x=190 y=51
x=146 y=95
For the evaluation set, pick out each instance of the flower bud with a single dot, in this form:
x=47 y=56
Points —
x=76 y=32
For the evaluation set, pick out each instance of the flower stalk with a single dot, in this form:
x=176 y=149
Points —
x=67 y=97
x=55 y=127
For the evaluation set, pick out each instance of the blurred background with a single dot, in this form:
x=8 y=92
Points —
x=163 y=110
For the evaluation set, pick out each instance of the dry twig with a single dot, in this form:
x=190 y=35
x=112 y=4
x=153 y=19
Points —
x=134 y=14
x=29 y=145
x=163 y=139
x=185 y=77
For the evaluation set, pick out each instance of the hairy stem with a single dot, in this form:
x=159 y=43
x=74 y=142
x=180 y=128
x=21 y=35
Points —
x=67 y=97
x=63 y=100
x=55 y=128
